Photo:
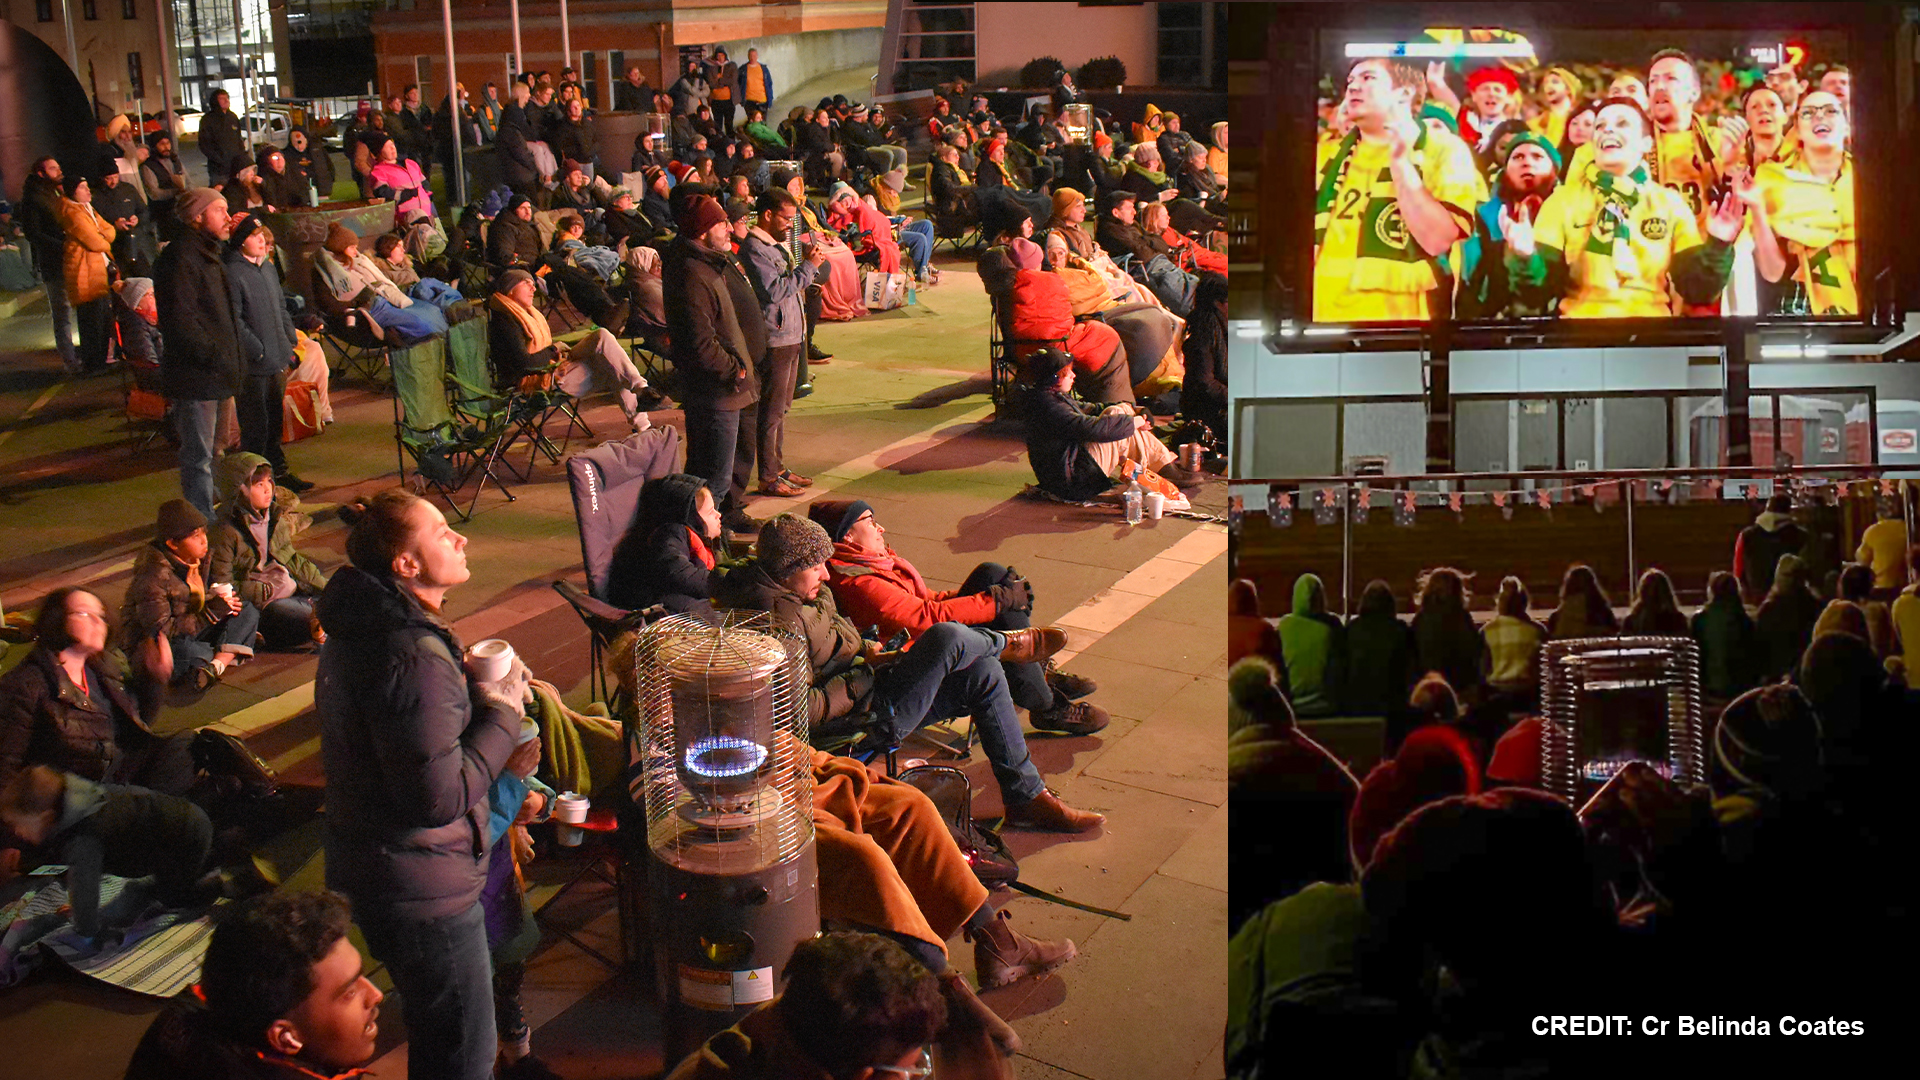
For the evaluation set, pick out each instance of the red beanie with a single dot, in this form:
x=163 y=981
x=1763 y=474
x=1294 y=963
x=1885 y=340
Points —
x=699 y=214
x=1516 y=757
x=1493 y=73
x=1435 y=761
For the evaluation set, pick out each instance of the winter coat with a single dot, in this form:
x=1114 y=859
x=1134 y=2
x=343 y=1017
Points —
x=747 y=94
x=402 y=182
x=1731 y=654
x=39 y=218
x=572 y=140
x=163 y=179
x=689 y=92
x=630 y=98
x=1785 y=628
x=1248 y=632
x=260 y=316
x=1450 y=644
x=512 y=242
x=1058 y=428
x=184 y=1040
x=517 y=166
x=222 y=138
x=507 y=349
x=953 y=196
x=88 y=251
x=410 y=749
x=1043 y=311
x=233 y=554
x=780 y=282
x=886 y=591
x=713 y=318
x=313 y=165
x=814 y=142
x=1316 y=648
x=126 y=831
x=660 y=568
x=1380 y=653
x=1756 y=554
x=842 y=686
x=45 y=720
x=879 y=232
x=1120 y=238
x=202 y=358
x=160 y=602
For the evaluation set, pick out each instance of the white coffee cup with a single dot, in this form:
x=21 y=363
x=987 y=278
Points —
x=1156 y=505
x=529 y=730
x=571 y=807
x=221 y=588
x=490 y=660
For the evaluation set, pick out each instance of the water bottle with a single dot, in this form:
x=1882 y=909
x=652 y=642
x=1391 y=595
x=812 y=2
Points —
x=313 y=193
x=1134 y=498
x=912 y=293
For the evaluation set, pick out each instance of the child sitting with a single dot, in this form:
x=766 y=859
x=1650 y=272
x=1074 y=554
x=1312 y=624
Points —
x=391 y=258
x=208 y=629
x=253 y=550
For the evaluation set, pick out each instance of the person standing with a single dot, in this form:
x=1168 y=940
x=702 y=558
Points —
x=200 y=366
x=222 y=138
x=40 y=219
x=633 y=94
x=164 y=179
x=719 y=338
x=781 y=280
x=756 y=84
x=723 y=77
x=412 y=745
x=85 y=265
x=266 y=343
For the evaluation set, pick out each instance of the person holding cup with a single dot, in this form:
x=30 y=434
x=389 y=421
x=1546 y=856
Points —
x=412 y=744
x=207 y=627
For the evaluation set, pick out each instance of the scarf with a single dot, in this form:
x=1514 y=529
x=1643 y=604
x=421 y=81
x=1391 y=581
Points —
x=539 y=334
x=1381 y=263
x=1612 y=197
x=698 y=548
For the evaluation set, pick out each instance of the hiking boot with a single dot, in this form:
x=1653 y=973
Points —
x=968 y=1017
x=1032 y=645
x=1046 y=813
x=817 y=355
x=1002 y=954
x=1067 y=684
x=739 y=521
x=802 y=390
x=1072 y=718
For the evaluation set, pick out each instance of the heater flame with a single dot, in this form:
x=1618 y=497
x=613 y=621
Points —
x=721 y=757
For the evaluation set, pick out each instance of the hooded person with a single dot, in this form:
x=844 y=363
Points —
x=242 y=188
x=280 y=186
x=1315 y=646
x=1043 y=312
x=1757 y=550
x=251 y=548
x=1275 y=772
x=310 y=162
x=1527 y=176
x=1248 y=632
x=1079 y=450
x=671 y=552
x=1787 y=617
x=1383 y=647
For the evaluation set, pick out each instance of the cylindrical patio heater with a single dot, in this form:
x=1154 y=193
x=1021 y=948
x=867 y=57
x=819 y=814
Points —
x=1616 y=700
x=733 y=883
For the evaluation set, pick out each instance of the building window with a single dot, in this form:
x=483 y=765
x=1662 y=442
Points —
x=44 y=9
x=136 y=76
x=127 y=10
x=936 y=46
x=1183 y=53
x=89 y=9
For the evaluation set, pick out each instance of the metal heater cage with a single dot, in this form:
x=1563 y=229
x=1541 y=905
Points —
x=1594 y=691
x=723 y=711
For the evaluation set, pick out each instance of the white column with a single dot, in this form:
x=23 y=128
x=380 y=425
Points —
x=519 y=58
x=453 y=107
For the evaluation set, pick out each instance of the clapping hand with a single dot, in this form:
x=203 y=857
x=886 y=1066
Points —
x=1518 y=231
x=1733 y=133
x=1728 y=219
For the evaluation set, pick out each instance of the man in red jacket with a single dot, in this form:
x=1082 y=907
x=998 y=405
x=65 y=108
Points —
x=874 y=586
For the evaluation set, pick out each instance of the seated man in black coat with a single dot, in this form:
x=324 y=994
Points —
x=1078 y=450
x=513 y=242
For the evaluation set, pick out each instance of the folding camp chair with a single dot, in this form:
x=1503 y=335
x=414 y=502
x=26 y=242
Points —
x=961 y=231
x=605 y=483
x=444 y=455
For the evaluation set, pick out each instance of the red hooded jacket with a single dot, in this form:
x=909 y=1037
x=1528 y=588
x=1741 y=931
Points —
x=886 y=591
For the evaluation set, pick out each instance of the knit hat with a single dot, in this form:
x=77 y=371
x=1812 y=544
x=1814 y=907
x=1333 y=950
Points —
x=516 y=202
x=1025 y=253
x=1493 y=73
x=617 y=194
x=699 y=214
x=790 y=543
x=340 y=238
x=838 y=515
x=190 y=205
x=1533 y=139
x=737 y=209
x=1768 y=741
x=244 y=225
x=1254 y=697
x=840 y=189
x=1101 y=138
x=1433 y=111
x=506 y=281
x=680 y=170
x=495 y=202
x=241 y=163
x=783 y=176
x=652 y=173
x=1065 y=199
x=1434 y=762
x=178 y=520
x=135 y=289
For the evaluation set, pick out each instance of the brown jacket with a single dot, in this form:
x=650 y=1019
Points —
x=89 y=247
x=161 y=601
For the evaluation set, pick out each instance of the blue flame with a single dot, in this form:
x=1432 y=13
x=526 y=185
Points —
x=722 y=756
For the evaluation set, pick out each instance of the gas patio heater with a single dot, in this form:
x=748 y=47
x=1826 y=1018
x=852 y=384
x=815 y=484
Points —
x=1616 y=700
x=733 y=881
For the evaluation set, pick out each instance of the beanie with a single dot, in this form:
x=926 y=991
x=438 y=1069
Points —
x=1101 y=138
x=838 y=515
x=1025 y=253
x=617 y=194
x=1434 y=111
x=178 y=520
x=1254 y=697
x=196 y=202
x=1433 y=763
x=244 y=225
x=1065 y=199
x=1531 y=138
x=783 y=176
x=737 y=209
x=1493 y=73
x=506 y=281
x=699 y=214
x=1767 y=742
x=790 y=543
x=840 y=190
x=340 y=238
x=135 y=289
x=241 y=163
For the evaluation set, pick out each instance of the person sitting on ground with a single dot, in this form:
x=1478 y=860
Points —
x=1079 y=450
x=875 y=586
x=96 y=829
x=1448 y=641
x=1315 y=646
x=1584 y=609
x=1043 y=312
x=208 y=628
x=283 y=994
x=1757 y=550
x=253 y=550
x=1786 y=618
x=1656 y=611
x=1731 y=654
x=1512 y=640
x=521 y=346
x=346 y=279
x=671 y=550
x=952 y=670
x=1382 y=647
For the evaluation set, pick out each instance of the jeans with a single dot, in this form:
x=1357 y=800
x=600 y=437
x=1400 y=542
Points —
x=597 y=362
x=261 y=418
x=94 y=318
x=196 y=423
x=886 y=158
x=777 y=380
x=720 y=447
x=917 y=238
x=954 y=670
x=443 y=973
x=55 y=283
x=1026 y=683
x=198 y=650
x=418 y=322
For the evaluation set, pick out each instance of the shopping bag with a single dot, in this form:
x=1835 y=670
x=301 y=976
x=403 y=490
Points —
x=300 y=412
x=884 y=292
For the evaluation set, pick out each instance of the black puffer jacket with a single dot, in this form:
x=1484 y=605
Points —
x=717 y=330
x=654 y=563
x=411 y=750
x=260 y=317
x=1058 y=426
x=517 y=166
x=201 y=361
x=45 y=720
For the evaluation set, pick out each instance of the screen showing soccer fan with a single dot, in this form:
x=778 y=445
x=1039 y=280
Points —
x=1485 y=176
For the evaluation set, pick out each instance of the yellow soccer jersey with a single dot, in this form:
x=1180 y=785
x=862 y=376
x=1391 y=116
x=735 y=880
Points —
x=1684 y=161
x=1583 y=223
x=1815 y=219
x=1367 y=267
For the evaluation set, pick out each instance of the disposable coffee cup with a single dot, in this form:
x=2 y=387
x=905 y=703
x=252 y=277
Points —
x=571 y=808
x=490 y=660
x=1156 y=505
x=568 y=835
x=529 y=730
x=220 y=588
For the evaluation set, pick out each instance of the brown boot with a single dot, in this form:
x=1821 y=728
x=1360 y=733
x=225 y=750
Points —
x=1002 y=954
x=1033 y=645
x=1048 y=814
x=970 y=1021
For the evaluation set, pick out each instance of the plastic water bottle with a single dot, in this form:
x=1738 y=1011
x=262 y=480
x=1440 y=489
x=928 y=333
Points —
x=313 y=193
x=1134 y=498
x=912 y=293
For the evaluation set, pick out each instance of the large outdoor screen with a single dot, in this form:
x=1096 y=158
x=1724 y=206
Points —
x=1484 y=175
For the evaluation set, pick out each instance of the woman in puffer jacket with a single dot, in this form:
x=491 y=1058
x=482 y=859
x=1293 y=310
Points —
x=1043 y=311
x=86 y=263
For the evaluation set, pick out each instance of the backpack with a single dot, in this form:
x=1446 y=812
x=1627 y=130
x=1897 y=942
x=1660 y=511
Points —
x=952 y=795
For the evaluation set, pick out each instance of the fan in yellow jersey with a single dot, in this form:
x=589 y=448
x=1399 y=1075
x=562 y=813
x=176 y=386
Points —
x=1394 y=198
x=1692 y=155
x=1802 y=210
x=1610 y=243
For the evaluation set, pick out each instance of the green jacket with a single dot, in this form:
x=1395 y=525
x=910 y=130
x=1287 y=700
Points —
x=232 y=554
x=1315 y=645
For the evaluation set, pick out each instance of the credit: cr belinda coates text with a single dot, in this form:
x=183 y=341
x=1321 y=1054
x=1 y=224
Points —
x=1694 y=1025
